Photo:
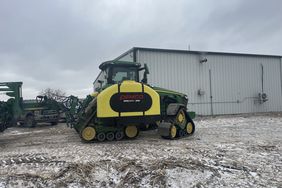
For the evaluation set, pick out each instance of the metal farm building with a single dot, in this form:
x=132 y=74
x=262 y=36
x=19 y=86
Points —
x=216 y=83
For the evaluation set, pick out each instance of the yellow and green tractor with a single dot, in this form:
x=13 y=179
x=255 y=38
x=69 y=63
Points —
x=122 y=105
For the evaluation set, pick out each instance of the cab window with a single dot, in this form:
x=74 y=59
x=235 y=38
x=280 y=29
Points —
x=120 y=74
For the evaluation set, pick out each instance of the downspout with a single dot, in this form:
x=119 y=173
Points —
x=281 y=74
x=211 y=92
x=262 y=78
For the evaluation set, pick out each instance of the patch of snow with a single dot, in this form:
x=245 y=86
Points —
x=181 y=177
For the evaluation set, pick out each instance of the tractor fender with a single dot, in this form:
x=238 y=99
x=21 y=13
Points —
x=173 y=108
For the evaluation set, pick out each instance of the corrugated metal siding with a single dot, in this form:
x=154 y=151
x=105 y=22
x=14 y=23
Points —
x=236 y=80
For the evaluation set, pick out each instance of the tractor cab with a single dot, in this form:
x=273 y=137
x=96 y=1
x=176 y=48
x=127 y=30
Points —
x=41 y=99
x=115 y=72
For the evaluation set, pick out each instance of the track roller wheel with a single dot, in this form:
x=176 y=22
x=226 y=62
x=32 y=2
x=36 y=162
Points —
x=181 y=133
x=131 y=131
x=119 y=135
x=190 y=128
x=167 y=130
x=88 y=133
x=101 y=137
x=110 y=136
x=180 y=118
x=172 y=132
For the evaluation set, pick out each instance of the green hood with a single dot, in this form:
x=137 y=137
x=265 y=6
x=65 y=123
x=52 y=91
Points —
x=162 y=90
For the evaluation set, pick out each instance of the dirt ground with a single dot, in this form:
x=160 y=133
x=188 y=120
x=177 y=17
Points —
x=226 y=151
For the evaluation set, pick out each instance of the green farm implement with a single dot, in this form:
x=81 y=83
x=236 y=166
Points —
x=25 y=112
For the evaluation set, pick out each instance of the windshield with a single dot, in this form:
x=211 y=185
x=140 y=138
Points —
x=124 y=73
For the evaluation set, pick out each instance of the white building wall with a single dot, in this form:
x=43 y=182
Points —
x=235 y=80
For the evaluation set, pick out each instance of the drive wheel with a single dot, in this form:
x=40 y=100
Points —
x=190 y=128
x=88 y=133
x=131 y=131
x=101 y=137
x=119 y=135
x=180 y=118
x=172 y=132
x=110 y=136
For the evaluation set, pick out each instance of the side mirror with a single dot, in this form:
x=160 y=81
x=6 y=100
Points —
x=146 y=72
x=146 y=69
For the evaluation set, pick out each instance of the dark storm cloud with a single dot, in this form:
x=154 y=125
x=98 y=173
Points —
x=45 y=44
x=248 y=26
x=59 y=44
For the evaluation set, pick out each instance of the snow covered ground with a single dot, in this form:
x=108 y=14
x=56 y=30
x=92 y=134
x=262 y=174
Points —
x=226 y=151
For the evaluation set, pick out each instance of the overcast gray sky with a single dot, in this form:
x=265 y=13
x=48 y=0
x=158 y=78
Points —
x=60 y=43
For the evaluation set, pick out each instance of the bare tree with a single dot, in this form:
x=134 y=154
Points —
x=55 y=94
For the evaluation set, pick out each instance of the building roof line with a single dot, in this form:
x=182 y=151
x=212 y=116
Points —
x=124 y=54
x=194 y=52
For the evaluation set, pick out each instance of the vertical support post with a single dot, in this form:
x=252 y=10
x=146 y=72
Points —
x=281 y=74
x=262 y=78
x=211 y=99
